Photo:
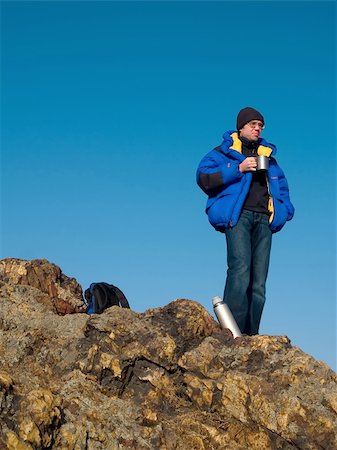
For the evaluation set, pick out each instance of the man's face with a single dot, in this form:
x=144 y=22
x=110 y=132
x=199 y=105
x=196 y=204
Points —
x=252 y=130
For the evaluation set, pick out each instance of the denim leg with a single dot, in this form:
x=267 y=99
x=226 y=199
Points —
x=238 y=241
x=261 y=245
x=248 y=252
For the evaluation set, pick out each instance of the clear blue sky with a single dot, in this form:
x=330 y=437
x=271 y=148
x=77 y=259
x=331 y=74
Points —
x=107 y=109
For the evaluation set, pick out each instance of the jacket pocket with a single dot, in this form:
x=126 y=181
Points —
x=219 y=213
x=280 y=215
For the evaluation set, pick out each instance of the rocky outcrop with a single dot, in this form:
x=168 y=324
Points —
x=61 y=293
x=169 y=378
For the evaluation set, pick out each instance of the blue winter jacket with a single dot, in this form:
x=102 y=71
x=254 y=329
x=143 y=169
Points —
x=218 y=175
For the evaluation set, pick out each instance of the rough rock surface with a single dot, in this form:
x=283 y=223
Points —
x=56 y=290
x=165 y=379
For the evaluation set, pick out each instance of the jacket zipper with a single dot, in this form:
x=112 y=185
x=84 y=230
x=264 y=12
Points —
x=237 y=200
x=271 y=208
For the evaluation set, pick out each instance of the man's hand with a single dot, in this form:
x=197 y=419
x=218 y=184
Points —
x=248 y=165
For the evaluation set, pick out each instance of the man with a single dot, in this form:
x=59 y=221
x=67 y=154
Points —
x=248 y=205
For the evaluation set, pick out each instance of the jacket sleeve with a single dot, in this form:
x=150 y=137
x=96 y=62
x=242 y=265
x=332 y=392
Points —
x=213 y=175
x=284 y=194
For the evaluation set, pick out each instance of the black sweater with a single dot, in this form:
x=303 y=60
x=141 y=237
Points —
x=257 y=198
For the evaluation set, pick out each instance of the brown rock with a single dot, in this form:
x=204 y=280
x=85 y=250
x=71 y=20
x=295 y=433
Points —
x=61 y=293
x=165 y=379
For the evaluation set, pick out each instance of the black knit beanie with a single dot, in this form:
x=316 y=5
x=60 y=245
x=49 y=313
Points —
x=246 y=115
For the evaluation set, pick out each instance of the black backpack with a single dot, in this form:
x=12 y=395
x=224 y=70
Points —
x=100 y=296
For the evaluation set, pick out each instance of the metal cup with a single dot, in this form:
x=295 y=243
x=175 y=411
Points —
x=262 y=162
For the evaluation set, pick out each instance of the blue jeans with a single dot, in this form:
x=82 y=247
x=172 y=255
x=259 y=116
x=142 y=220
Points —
x=248 y=251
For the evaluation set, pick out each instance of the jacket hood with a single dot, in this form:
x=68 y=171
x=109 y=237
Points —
x=231 y=141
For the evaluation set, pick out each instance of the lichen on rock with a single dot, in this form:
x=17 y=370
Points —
x=166 y=379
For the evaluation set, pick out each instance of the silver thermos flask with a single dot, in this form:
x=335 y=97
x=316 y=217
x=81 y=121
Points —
x=225 y=317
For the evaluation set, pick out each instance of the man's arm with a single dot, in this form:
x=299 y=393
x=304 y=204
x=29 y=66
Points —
x=284 y=194
x=214 y=174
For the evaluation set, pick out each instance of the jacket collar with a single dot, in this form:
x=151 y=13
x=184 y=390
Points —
x=231 y=141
